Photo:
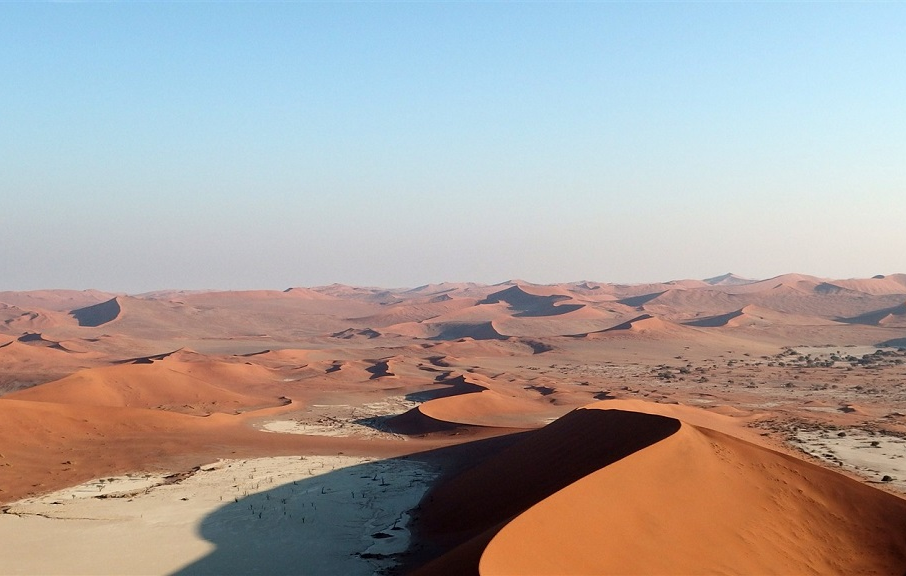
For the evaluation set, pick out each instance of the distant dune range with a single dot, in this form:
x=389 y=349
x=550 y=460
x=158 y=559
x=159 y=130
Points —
x=577 y=428
x=449 y=312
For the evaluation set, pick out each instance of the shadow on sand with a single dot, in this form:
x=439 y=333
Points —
x=344 y=521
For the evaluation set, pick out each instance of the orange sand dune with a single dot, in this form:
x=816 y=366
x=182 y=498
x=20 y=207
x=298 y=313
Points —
x=623 y=291
x=893 y=317
x=596 y=291
x=511 y=312
x=55 y=300
x=352 y=333
x=283 y=356
x=166 y=385
x=416 y=311
x=792 y=282
x=645 y=325
x=463 y=511
x=23 y=364
x=361 y=370
x=677 y=301
x=453 y=289
x=44 y=443
x=525 y=301
x=728 y=279
x=701 y=501
x=16 y=320
x=756 y=316
x=33 y=348
x=645 y=322
x=488 y=408
x=415 y=421
x=470 y=400
x=98 y=314
x=38 y=339
x=296 y=301
x=306 y=293
x=368 y=294
x=612 y=491
x=728 y=319
x=835 y=288
x=471 y=348
x=587 y=320
x=892 y=284
x=47 y=445
x=263 y=315
x=473 y=313
x=449 y=330
x=574 y=316
x=252 y=295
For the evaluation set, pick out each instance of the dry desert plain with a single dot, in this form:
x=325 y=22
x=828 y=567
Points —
x=688 y=427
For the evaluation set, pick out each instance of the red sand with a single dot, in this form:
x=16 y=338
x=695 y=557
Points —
x=679 y=470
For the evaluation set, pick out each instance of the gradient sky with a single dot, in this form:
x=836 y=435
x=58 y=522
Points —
x=265 y=145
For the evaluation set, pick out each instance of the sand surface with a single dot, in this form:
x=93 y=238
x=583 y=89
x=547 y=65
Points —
x=751 y=426
x=364 y=420
x=289 y=515
x=700 y=501
x=875 y=456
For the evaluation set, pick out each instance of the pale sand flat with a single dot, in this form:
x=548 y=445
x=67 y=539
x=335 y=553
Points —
x=343 y=420
x=872 y=456
x=299 y=515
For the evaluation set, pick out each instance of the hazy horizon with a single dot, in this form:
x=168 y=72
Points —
x=267 y=145
x=415 y=286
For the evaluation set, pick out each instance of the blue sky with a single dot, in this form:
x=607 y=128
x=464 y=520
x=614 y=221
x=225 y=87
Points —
x=266 y=145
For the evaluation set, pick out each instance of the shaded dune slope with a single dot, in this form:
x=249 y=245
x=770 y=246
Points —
x=728 y=279
x=730 y=318
x=416 y=422
x=650 y=326
x=38 y=339
x=477 y=331
x=448 y=331
x=605 y=491
x=527 y=304
x=55 y=300
x=463 y=512
x=891 y=284
x=757 y=316
x=704 y=502
x=472 y=401
x=892 y=316
x=98 y=314
x=636 y=301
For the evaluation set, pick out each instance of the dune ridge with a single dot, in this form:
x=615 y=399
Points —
x=171 y=386
x=98 y=314
x=605 y=490
x=528 y=304
x=697 y=497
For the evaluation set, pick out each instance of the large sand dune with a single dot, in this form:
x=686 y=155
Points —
x=699 y=502
x=163 y=385
x=98 y=314
x=607 y=491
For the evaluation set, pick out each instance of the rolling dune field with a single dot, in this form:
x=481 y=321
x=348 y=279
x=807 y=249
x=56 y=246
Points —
x=707 y=426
